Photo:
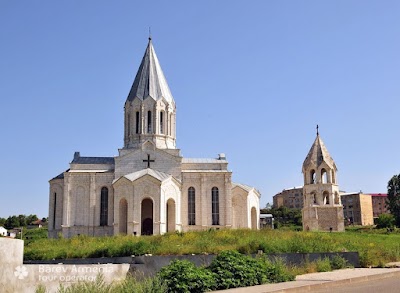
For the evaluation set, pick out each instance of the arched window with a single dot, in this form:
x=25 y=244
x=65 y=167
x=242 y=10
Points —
x=215 y=205
x=137 y=122
x=161 y=122
x=313 y=178
x=148 y=121
x=104 y=207
x=326 y=197
x=314 y=198
x=191 y=206
x=324 y=176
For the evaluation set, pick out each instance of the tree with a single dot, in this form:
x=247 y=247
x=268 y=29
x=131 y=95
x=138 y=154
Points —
x=393 y=198
x=11 y=222
x=286 y=216
x=30 y=219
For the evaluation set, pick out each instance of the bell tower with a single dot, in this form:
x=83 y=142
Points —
x=323 y=210
x=150 y=111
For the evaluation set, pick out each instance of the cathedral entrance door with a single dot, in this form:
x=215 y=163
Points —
x=147 y=227
x=147 y=217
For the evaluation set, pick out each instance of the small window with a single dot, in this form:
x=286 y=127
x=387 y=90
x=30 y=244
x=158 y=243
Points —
x=161 y=122
x=149 y=122
x=137 y=122
x=104 y=207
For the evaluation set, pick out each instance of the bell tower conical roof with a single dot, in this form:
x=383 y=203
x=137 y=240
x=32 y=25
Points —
x=150 y=110
x=150 y=80
x=317 y=155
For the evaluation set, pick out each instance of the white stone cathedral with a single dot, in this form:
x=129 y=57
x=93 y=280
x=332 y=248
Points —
x=149 y=188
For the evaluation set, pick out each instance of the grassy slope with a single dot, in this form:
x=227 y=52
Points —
x=374 y=249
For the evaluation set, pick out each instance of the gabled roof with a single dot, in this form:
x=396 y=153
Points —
x=138 y=174
x=150 y=79
x=317 y=155
x=245 y=187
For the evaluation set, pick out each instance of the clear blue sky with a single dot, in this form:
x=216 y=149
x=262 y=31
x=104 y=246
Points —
x=250 y=79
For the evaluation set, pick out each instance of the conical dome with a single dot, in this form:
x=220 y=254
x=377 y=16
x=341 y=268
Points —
x=150 y=80
x=317 y=155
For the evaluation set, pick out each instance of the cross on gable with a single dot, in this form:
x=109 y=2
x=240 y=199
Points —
x=148 y=161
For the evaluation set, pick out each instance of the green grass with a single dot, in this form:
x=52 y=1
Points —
x=375 y=248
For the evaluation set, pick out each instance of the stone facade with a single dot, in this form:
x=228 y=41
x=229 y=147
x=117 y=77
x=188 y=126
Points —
x=291 y=198
x=322 y=209
x=149 y=188
x=357 y=208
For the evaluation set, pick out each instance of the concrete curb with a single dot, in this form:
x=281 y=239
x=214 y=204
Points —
x=315 y=281
x=332 y=284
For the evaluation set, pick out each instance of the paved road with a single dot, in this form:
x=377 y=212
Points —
x=386 y=285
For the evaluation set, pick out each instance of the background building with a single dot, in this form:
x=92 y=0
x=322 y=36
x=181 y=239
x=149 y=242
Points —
x=379 y=204
x=357 y=208
x=266 y=221
x=291 y=198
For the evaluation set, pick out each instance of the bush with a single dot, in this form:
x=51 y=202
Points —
x=338 y=262
x=184 y=276
x=233 y=270
x=277 y=271
x=323 y=265
x=385 y=221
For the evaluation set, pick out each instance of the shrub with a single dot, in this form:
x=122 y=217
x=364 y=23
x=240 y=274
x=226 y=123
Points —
x=338 y=262
x=385 y=221
x=184 y=276
x=323 y=265
x=233 y=270
x=277 y=271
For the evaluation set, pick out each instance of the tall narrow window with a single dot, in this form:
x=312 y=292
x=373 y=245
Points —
x=161 y=122
x=137 y=121
x=129 y=125
x=54 y=210
x=104 y=207
x=191 y=206
x=215 y=205
x=148 y=121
